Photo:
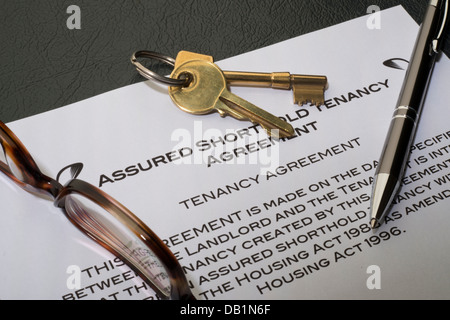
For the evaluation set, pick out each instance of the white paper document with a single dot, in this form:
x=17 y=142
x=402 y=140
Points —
x=247 y=216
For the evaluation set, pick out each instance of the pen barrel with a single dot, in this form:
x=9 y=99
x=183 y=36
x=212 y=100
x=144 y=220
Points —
x=397 y=147
x=403 y=126
x=402 y=130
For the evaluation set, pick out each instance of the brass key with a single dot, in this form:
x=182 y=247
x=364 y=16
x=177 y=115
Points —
x=207 y=92
x=307 y=88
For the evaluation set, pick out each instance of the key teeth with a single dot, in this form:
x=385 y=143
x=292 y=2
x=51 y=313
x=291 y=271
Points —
x=317 y=104
x=313 y=96
x=309 y=102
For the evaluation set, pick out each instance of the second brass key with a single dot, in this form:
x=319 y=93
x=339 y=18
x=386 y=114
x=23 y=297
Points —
x=306 y=88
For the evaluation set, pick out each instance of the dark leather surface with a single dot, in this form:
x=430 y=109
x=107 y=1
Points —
x=44 y=65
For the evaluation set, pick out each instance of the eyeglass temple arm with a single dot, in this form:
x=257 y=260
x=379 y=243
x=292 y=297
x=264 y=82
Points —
x=28 y=175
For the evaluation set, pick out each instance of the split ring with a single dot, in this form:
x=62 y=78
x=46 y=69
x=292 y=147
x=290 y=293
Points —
x=146 y=73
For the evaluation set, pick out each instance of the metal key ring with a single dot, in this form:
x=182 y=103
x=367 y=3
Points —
x=153 y=75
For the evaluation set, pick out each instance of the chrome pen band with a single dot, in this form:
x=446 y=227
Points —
x=405 y=112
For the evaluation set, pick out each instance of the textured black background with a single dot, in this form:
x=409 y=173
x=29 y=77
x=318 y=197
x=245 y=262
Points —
x=44 y=65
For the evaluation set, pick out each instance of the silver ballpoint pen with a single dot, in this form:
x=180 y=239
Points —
x=392 y=164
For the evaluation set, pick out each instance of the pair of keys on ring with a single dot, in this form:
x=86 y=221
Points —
x=198 y=86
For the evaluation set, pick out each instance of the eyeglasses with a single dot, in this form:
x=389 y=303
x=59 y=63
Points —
x=100 y=217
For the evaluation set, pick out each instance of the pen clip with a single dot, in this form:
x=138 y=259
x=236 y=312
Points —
x=437 y=41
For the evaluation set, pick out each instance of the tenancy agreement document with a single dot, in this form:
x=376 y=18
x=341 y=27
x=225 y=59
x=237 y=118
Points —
x=247 y=216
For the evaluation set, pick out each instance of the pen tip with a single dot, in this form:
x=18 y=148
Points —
x=374 y=224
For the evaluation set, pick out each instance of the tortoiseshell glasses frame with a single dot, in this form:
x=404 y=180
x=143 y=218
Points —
x=100 y=217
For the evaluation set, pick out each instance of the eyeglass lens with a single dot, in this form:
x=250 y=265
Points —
x=105 y=227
